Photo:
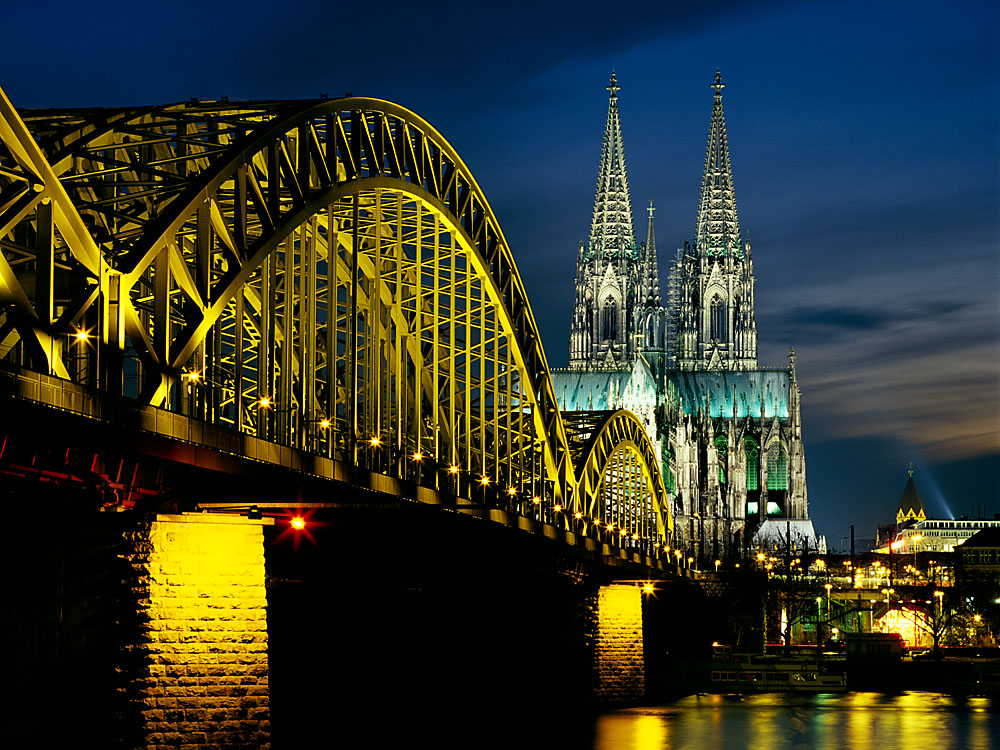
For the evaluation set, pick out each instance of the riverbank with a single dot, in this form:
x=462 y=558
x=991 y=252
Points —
x=804 y=673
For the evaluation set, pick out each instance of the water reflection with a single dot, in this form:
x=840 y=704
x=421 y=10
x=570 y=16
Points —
x=776 y=721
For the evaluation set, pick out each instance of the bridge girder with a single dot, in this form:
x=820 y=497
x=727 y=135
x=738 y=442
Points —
x=324 y=274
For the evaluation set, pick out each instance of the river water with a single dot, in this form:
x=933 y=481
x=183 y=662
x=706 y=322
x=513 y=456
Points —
x=775 y=721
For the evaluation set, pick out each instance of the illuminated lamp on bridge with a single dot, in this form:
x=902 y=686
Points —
x=298 y=522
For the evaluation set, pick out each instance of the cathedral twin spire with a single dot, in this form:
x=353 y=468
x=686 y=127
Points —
x=709 y=322
x=718 y=228
x=611 y=229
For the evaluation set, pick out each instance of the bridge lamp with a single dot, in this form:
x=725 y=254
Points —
x=621 y=531
x=512 y=491
x=635 y=537
x=81 y=335
x=194 y=376
x=690 y=560
x=717 y=564
x=484 y=481
x=264 y=402
x=648 y=588
x=557 y=508
x=375 y=441
x=578 y=515
x=324 y=423
x=453 y=469
x=536 y=500
x=298 y=522
x=417 y=456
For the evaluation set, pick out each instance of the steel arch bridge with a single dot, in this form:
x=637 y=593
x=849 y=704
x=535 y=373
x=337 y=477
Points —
x=325 y=275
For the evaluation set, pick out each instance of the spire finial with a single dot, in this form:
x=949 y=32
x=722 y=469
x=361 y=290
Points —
x=910 y=470
x=613 y=87
x=718 y=85
x=651 y=208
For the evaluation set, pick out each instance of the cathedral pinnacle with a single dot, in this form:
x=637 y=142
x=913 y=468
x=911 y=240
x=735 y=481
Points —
x=649 y=289
x=613 y=87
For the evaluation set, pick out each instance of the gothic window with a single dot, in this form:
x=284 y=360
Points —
x=669 y=473
x=721 y=444
x=651 y=333
x=777 y=467
x=610 y=321
x=718 y=319
x=753 y=463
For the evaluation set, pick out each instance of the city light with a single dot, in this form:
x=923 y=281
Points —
x=298 y=522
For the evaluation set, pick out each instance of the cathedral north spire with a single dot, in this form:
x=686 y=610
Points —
x=718 y=228
x=611 y=231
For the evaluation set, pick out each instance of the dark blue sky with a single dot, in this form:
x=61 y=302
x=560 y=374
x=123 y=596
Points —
x=864 y=141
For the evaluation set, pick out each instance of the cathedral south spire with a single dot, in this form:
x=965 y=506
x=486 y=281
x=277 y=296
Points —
x=712 y=309
x=718 y=227
x=611 y=230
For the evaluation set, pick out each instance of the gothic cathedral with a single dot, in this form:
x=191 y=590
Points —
x=729 y=432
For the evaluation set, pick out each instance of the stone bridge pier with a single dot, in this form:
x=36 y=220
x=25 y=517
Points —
x=217 y=630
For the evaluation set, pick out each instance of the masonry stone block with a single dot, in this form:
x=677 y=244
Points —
x=199 y=582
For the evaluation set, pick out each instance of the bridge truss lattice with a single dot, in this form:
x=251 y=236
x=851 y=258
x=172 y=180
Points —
x=325 y=275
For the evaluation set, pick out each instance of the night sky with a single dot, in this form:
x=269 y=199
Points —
x=864 y=142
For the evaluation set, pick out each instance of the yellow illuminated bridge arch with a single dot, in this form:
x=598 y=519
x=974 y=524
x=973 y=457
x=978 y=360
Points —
x=325 y=275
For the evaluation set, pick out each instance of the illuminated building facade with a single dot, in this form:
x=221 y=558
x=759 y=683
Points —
x=729 y=432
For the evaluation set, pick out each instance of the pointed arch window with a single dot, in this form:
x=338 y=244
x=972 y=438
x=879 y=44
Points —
x=718 y=319
x=777 y=467
x=752 y=451
x=610 y=323
x=721 y=446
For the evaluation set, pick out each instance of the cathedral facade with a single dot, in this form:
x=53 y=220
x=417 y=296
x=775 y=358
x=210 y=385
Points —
x=728 y=431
